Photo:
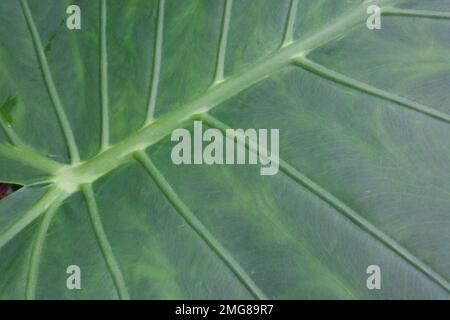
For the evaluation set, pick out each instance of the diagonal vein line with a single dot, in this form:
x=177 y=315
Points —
x=220 y=63
x=53 y=93
x=36 y=251
x=289 y=31
x=414 y=13
x=157 y=56
x=339 y=78
x=104 y=77
x=197 y=226
x=35 y=211
x=213 y=122
x=111 y=262
x=348 y=212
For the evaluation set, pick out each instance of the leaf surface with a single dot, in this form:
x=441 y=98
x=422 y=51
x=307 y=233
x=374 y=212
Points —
x=364 y=176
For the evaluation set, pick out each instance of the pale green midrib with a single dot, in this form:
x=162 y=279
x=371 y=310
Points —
x=36 y=251
x=348 y=212
x=104 y=78
x=50 y=85
x=192 y=220
x=105 y=247
x=220 y=60
x=150 y=134
x=344 y=80
x=289 y=29
x=389 y=11
x=154 y=132
x=156 y=68
x=160 y=128
x=31 y=214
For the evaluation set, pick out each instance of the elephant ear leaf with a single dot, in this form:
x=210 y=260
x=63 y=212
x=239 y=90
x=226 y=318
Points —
x=357 y=204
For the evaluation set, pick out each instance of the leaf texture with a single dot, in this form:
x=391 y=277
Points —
x=364 y=177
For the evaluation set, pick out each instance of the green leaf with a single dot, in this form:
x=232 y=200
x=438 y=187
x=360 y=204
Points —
x=364 y=170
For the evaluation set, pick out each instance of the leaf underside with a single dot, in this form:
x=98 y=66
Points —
x=364 y=122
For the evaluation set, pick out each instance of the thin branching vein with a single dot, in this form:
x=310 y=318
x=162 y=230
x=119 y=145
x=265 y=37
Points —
x=348 y=212
x=35 y=211
x=290 y=23
x=50 y=84
x=104 y=77
x=37 y=250
x=334 y=76
x=198 y=227
x=105 y=246
x=157 y=57
x=220 y=62
x=390 y=11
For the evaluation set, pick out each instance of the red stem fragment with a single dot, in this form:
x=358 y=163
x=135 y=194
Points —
x=5 y=190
